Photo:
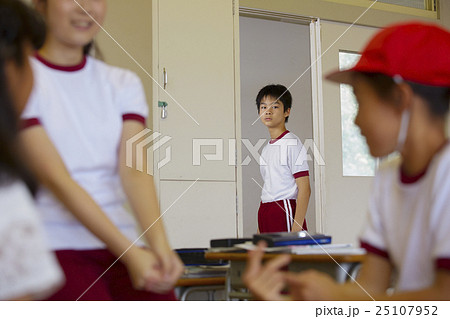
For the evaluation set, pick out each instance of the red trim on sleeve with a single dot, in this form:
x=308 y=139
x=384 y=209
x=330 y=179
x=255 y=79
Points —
x=443 y=263
x=26 y=123
x=301 y=174
x=134 y=117
x=279 y=137
x=374 y=250
x=406 y=179
x=70 y=68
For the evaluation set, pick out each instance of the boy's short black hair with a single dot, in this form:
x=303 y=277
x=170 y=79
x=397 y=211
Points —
x=276 y=91
x=437 y=98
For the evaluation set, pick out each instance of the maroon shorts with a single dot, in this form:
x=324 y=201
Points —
x=82 y=268
x=277 y=216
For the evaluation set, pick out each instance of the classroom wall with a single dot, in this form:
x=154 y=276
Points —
x=131 y=27
x=444 y=10
x=129 y=23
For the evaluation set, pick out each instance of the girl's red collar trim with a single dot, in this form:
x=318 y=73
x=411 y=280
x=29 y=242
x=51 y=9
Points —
x=71 y=68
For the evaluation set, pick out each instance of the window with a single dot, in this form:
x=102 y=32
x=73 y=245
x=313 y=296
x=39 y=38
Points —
x=356 y=160
x=429 y=5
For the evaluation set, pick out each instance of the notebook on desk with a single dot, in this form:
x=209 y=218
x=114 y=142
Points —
x=291 y=239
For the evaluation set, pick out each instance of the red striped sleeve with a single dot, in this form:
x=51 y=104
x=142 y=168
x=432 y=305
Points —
x=301 y=174
x=26 y=123
x=411 y=179
x=374 y=250
x=134 y=117
x=443 y=263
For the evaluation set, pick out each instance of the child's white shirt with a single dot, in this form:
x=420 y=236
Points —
x=27 y=266
x=82 y=112
x=282 y=161
x=409 y=223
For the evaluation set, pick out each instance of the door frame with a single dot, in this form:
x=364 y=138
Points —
x=317 y=106
x=155 y=90
x=317 y=102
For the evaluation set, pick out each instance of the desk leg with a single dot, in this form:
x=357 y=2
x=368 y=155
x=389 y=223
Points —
x=340 y=272
x=236 y=288
x=210 y=290
x=347 y=272
x=228 y=284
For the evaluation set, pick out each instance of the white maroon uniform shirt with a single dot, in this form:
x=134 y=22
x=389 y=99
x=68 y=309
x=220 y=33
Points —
x=282 y=161
x=409 y=221
x=82 y=109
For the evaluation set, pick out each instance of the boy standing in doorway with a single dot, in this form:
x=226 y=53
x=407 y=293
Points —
x=283 y=165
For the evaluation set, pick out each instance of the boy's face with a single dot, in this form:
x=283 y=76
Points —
x=378 y=120
x=271 y=112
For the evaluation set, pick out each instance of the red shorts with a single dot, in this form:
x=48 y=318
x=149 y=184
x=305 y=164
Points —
x=277 y=216
x=83 y=267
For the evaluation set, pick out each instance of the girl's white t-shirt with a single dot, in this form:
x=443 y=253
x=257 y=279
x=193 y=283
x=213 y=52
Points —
x=27 y=266
x=82 y=110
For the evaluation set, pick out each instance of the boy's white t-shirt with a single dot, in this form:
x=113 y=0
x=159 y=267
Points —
x=282 y=161
x=409 y=221
x=27 y=266
x=82 y=110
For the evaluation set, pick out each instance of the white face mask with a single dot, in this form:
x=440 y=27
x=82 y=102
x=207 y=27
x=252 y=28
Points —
x=403 y=132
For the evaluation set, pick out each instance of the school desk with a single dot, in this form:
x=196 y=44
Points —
x=207 y=279
x=338 y=266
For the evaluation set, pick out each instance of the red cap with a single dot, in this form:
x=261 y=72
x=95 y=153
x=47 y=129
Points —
x=416 y=51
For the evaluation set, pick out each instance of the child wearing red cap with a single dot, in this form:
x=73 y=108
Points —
x=402 y=84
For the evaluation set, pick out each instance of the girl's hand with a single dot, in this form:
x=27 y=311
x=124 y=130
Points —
x=171 y=266
x=265 y=282
x=145 y=270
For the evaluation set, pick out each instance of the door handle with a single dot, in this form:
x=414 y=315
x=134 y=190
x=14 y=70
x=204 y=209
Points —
x=164 y=78
x=163 y=106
